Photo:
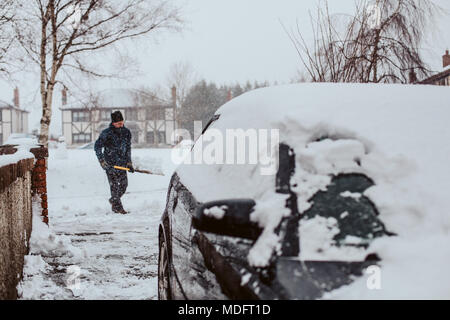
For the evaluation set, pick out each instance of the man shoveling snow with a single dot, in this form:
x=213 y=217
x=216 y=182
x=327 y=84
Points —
x=113 y=148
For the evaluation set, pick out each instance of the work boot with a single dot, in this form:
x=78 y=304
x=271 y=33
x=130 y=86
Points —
x=119 y=209
x=122 y=211
x=114 y=206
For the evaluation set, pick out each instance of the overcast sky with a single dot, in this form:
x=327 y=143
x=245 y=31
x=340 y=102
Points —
x=225 y=42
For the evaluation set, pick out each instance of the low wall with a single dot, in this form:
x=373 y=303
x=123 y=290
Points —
x=20 y=182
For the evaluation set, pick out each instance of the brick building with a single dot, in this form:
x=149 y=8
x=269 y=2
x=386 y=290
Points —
x=441 y=78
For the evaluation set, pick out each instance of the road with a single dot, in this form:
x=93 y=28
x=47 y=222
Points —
x=94 y=253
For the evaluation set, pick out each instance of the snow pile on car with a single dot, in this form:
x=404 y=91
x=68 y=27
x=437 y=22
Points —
x=397 y=135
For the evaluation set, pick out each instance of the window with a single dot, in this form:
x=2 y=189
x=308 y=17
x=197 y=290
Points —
x=1 y=112
x=81 y=137
x=105 y=115
x=81 y=116
x=162 y=136
x=151 y=139
x=131 y=114
x=156 y=113
x=134 y=136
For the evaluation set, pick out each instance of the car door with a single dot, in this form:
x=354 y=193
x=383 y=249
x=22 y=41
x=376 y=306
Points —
x=191 y=280
x=225 y=255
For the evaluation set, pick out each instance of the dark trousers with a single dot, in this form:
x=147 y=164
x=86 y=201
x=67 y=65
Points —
x=118 y=183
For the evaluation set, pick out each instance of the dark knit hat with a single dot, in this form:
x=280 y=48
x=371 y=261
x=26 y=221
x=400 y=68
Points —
x=116 y=116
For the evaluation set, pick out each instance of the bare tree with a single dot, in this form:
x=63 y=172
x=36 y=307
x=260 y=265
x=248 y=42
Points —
x=7 y=14
x=183 y=77
x=380 y=43
x=64 y=34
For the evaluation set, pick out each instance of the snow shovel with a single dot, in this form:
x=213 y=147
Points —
x=137 y=170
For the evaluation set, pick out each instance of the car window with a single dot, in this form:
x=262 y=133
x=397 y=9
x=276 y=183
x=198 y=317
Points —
x=351 y=217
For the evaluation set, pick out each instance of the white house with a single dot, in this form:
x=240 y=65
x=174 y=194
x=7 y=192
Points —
x=150 y=120
x=13 y=119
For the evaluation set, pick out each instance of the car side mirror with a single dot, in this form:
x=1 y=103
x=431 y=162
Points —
x=228 y=218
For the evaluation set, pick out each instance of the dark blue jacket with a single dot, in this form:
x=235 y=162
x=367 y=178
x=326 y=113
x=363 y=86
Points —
x=116 y=143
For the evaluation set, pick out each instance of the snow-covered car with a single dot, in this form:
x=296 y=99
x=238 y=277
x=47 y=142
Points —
x=21 y=139
x=357 y=205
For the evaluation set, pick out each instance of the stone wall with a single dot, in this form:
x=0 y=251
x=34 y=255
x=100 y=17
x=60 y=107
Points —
x=20 y=182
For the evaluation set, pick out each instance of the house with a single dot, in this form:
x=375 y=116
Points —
x=442 y=78
x=150 y=120
x=13 y=119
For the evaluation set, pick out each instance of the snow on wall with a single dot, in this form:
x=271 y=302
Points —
x=21 y=154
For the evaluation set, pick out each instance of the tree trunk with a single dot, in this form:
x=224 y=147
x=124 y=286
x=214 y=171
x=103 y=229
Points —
x=374 y=58
x=48 y=85
x=43 y=135
x=46 y=116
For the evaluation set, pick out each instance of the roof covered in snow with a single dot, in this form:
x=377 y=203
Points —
x=5 y=105
x=117 y=99
x=436 y=77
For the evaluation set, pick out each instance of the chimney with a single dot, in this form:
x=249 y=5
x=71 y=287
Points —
x=64 y=96
x=174 y=96
x=16 y=98
x=229 y=95
x=446 y=59
x=412 y=76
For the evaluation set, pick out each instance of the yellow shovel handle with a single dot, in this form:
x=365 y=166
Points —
x=121 y=168
x=136 y=170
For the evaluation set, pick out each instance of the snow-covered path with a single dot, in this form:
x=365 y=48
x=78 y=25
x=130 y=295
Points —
x=94 y=253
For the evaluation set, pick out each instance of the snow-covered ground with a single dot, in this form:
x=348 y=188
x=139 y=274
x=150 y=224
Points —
x=90 y=252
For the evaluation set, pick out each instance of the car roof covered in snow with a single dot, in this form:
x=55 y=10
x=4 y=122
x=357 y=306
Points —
x=398 y=135
x=401 y=121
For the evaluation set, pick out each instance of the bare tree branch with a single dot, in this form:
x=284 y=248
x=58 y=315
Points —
x=64 y=34
x=379 y=43
x=7 y=16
